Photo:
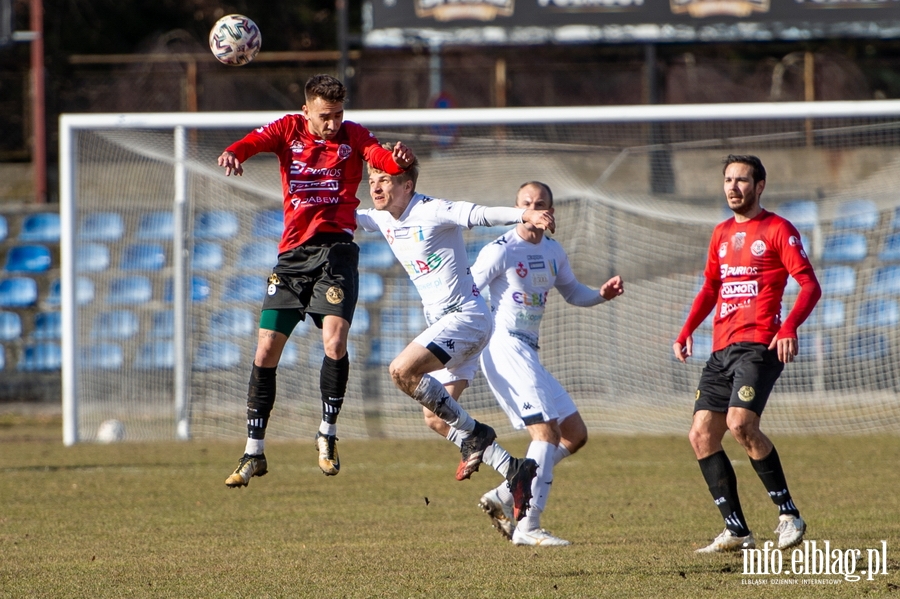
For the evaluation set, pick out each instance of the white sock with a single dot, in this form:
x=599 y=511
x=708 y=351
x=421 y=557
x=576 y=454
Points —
x=454 y=437
x=497 y=458
x=327 y=429
x=255 y=446
x=543 y=453
x=560 y=454
x=431 y=394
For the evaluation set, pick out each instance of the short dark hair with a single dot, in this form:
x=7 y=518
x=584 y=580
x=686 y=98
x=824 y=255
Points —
x=759 y=171
x=326 y=87
x=540 y=184
x=410 y=173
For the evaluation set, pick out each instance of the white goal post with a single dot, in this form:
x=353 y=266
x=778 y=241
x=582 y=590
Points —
x=162 y=343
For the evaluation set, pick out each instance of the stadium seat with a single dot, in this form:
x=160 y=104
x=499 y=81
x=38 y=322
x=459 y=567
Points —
x=376 y=255
x=115 y=324
x=4 y=228
x=2 y=358
x=361 y=323
x=103 y=356
x=258 y=255
x=814 y=346
x=384 y=349
x=41 y=357
x=220 y=355
x=371 y=287
x=232 y=322
x=47 y=326
x=803 y=214
x=102 y=226
x=207 y=256
x=91 y=257
x=860 y=215
x=216 y=224
x=880 y=312
x=84 y=292
x=42 y=227
x=845 y=247
x=156 y=225
x=837 y=280
x=18 y=292
x=143 y=256
x=268 y=223
x=289 y=355
x=244 y=288
x=130 y=290
x=200 y=290
x=155 y=355
x=10 y=326
x=828 y=314
x=868 y=345
x=27 y=258
x=885 y=281
x=163 y=324
x=702 y=348
x=890 y=251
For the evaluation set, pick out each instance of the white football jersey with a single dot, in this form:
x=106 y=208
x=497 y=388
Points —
x=520 y=275
x=427 y=240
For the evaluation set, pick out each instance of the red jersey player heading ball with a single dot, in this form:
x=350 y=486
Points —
x=321 y=158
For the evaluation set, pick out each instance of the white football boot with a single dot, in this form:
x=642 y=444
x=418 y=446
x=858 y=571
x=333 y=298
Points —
x=537 y=538
x=728 y=541
x=790 y=530
x=501 y=514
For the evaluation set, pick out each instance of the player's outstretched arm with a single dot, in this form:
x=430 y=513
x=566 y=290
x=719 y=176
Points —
x=613 y=288
x=542 y=219
x=402 y=155
x=231 y=164
x=683 y=352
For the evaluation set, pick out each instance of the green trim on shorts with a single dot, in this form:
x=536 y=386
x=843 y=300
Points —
x=280 y=321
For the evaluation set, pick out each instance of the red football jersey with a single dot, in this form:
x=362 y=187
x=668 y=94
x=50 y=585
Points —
x=746 y=273
x=319 y=178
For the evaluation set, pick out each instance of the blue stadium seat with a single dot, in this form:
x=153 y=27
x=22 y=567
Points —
x=2 y=358
x=216 y=224
x=361 y=323
x=232 y=322
x=371 y=287
x=207 y=256
x=43 y=227
x=258 y=255
x=702 y=348
x=84 y=292
x=885 y=281
x=47 y=326
x=28 y=258
x=814 y=346
x=845 y=247
x=156 y=225
x=102 y=226
x=220 y=355
x=290 y=355
x=163 y=325
x=880 y=312
x=130 y=290
x=143 y=256
x=837 y=280
x=828 y=314
x=861 y=215
x=200 y=290
x=41 y=357
x=92 y=257
x=244 y=288
x=155 y=355
x=384 y=349
x=115 y=324
x=18 y=292
x=10 y=326
x=376 y=254
x=103 y=356
x=868 y=345
x=890 y=251
x=268 y=223
x=4 y=228
x=705 y=325
x=803 y=214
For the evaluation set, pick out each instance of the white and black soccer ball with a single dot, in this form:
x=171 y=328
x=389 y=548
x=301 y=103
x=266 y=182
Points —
x=111 y=431
x=235 y=40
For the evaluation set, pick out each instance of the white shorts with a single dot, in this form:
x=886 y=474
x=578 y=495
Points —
x=526 y=391
x=459 y=336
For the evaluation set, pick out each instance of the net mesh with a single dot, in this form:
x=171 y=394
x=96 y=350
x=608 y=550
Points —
x=639 y=200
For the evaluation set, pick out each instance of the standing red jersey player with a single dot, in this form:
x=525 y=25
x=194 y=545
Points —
x=750 y=258
x=321 y=158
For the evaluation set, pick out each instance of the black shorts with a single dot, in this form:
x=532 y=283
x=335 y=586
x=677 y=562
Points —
x=741 y=375
x=317 y=278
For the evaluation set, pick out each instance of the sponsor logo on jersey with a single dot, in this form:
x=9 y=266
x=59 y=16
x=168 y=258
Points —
x=727 y=308
x=314 y=200
x=739 y=289
x=803 y=253
x=540 y=279
x=418 y=267
x=521 y=270
x=414 y=233
x=746 y=393
x=297 y=146
x=334 y=295
x=321 y=185
x=344 y=151
x=737 y=240
x=530 y=299
x=758 y=248
x=537 y=265
x=726 y=271
x=723 y=249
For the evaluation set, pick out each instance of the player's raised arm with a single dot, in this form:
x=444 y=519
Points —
x=231 y=164
x=403 y=155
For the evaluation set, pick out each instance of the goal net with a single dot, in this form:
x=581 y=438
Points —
x=176 y=255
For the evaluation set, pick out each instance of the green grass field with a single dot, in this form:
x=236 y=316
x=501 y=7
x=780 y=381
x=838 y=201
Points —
x=155 y=520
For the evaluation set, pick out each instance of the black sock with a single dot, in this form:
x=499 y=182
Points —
x=772 y=476
x=260 y=399
x=333 y=384
x=722 y=483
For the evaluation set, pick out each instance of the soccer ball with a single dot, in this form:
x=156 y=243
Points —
x=111 y=431
x=235 y=40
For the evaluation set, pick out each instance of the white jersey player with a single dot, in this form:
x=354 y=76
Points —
x=520 y=268
x=425 y=235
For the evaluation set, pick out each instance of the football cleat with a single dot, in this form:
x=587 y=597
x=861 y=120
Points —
x=537 y=538
x=501 y=514
x=728 y=541
x=790 y=530
x=472 y=450
x=519 y=477
x=248 y=467
x=329 y=461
